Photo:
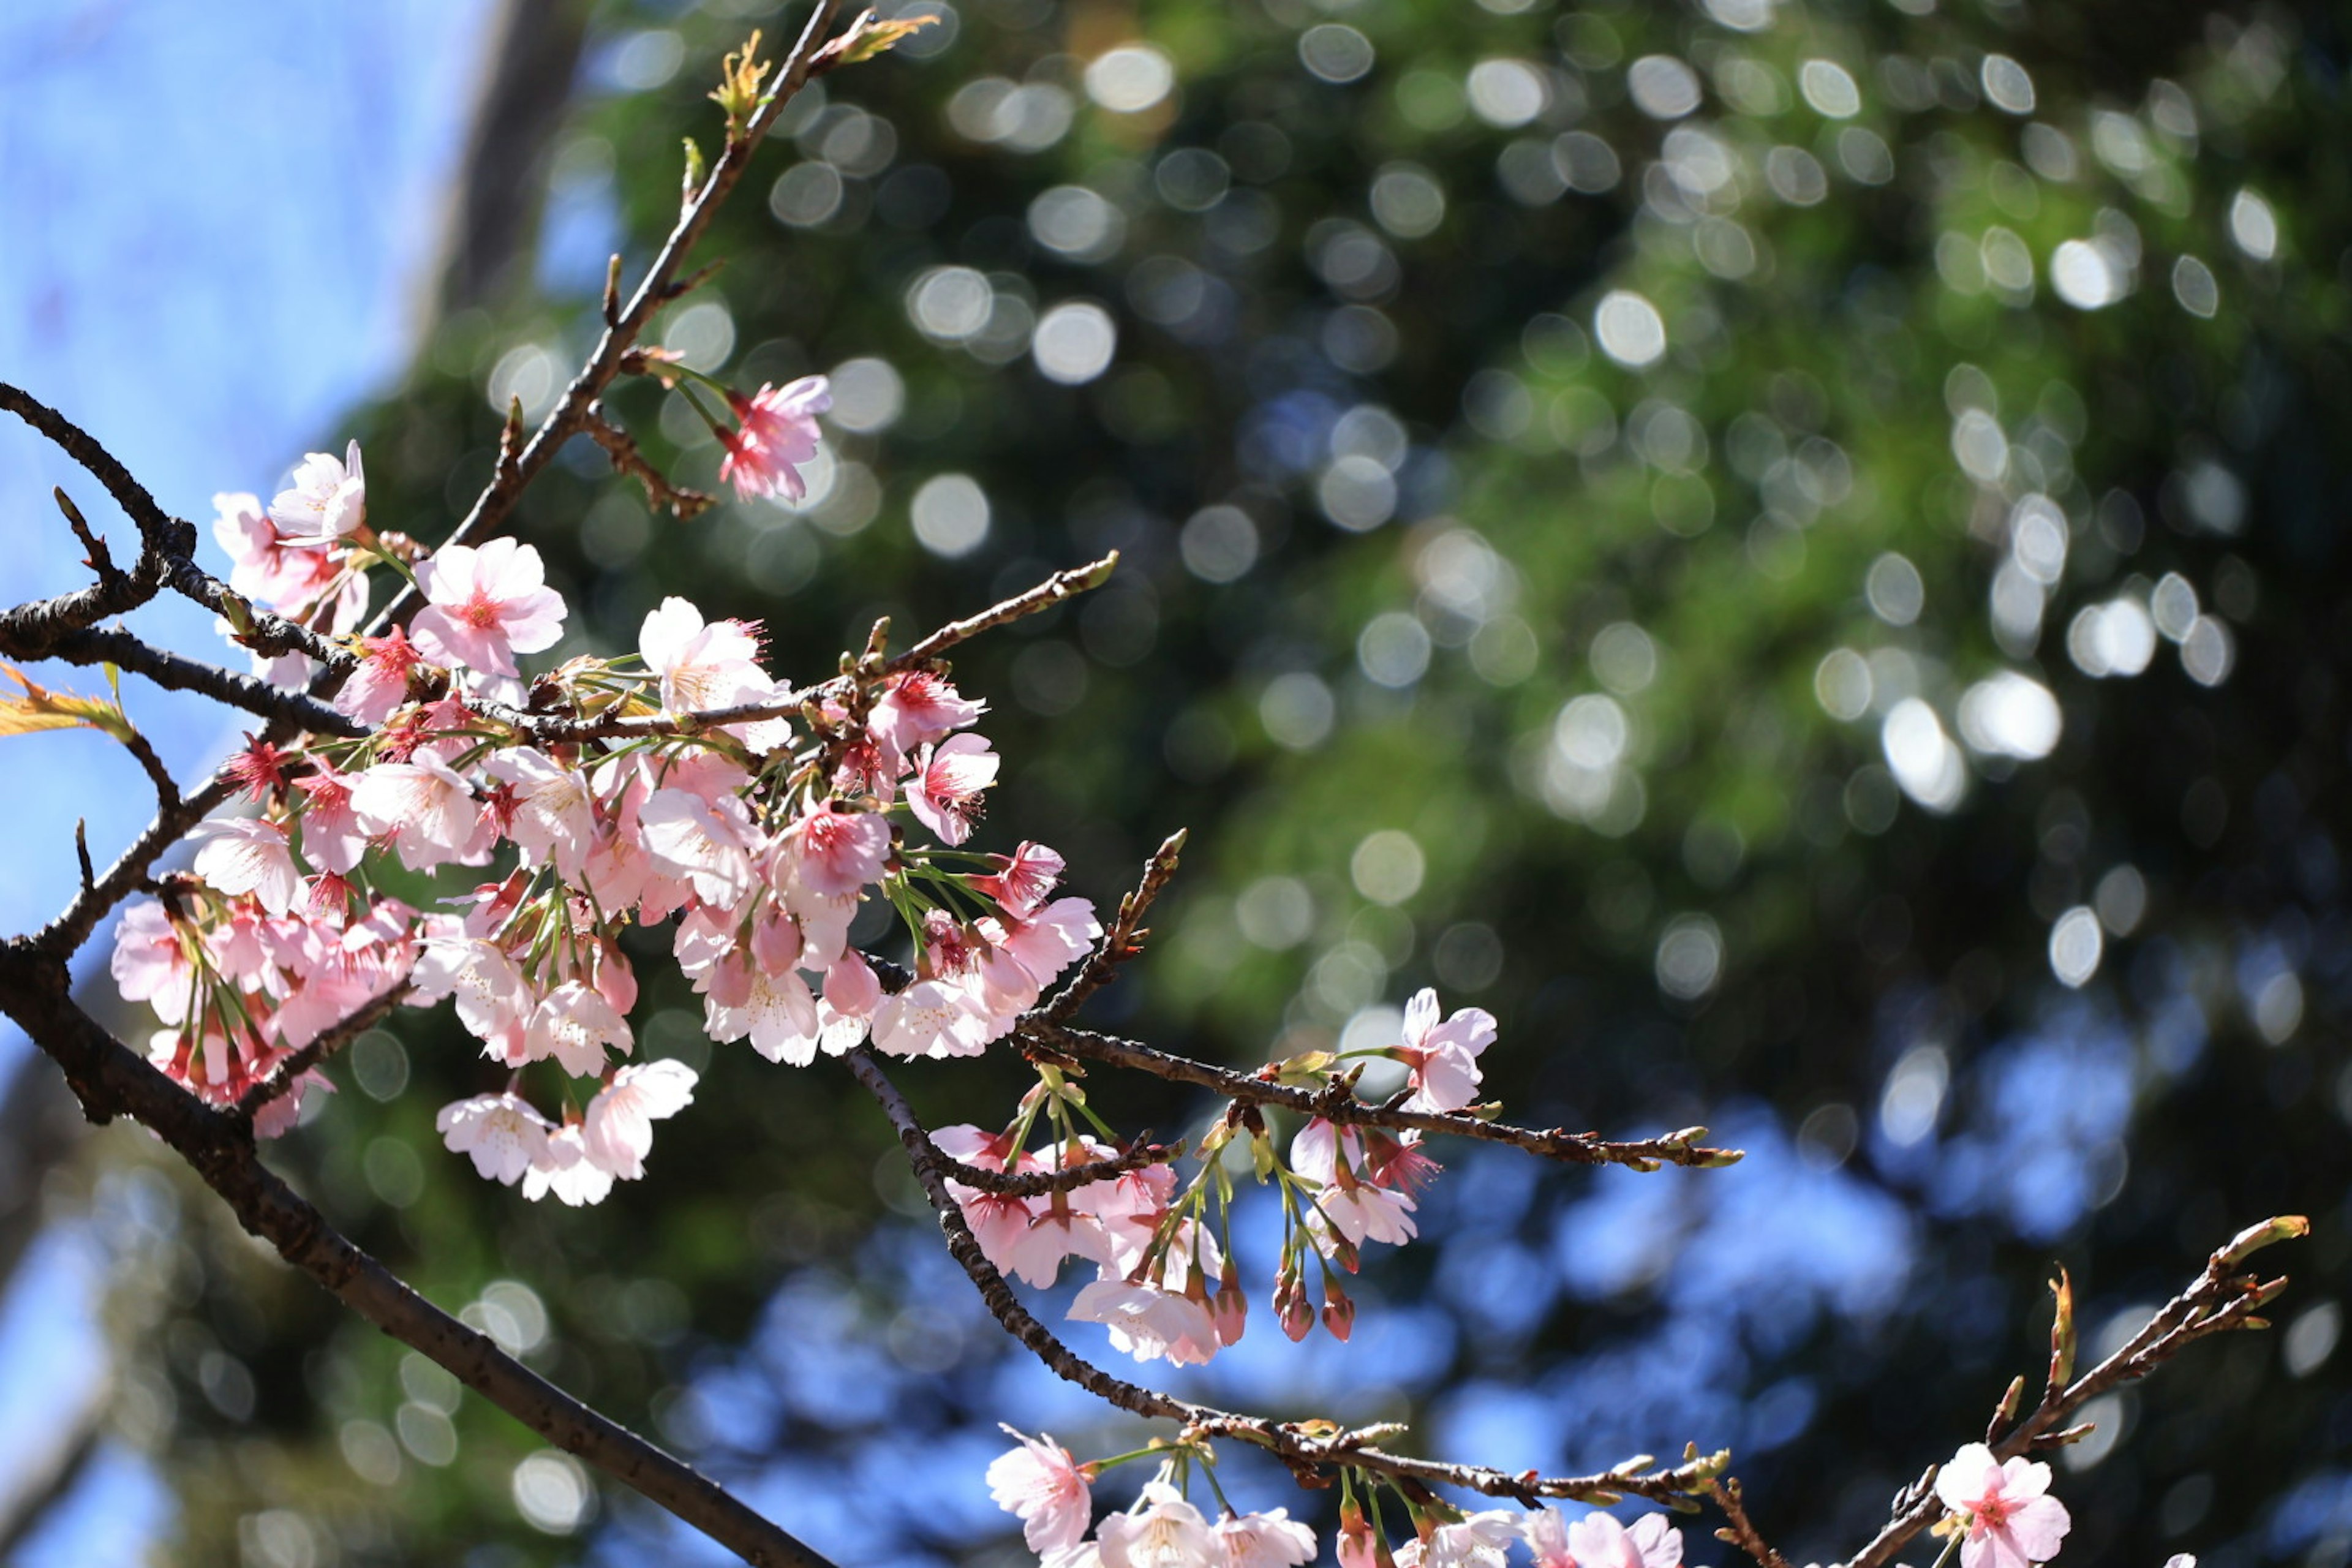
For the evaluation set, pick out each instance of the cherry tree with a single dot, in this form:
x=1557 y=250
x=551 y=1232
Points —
x=683 y=785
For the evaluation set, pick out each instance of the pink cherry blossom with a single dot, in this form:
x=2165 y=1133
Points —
x=1348 y=1202
x=998 y=1223
x=425 y=807
x=1474 y=1541
x=620 y=1123
x=930 y=1018
x=949 y=779
x=1443 y=1057
x=1272 y=1540
x=504 y=1136
x=775 y=1012
x=1022 y=880
x=492 y=995
x=709 y=844
x=328 y=499
x=2012 y=1521
x=834 y=852
x=150 y=961
x=240 y=855
x=284 y=1113
x=573 y=1024
x=554 y=817
x=484 y=606
x=1598 y=1541
x=919 y=706
x=1163 y=1532
x=332 y=838
x=379 y=684
x=1042 y=1485
x=779 y=431
x=1147 y=1323
x=567 y=1171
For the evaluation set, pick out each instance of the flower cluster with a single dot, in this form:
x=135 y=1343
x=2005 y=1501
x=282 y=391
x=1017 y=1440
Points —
x=1045 y=1487
x=304 y=556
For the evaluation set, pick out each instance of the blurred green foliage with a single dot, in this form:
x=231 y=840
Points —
x=1593 y=483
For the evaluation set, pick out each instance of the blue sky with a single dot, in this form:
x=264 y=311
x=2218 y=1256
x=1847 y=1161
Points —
x=220 y=219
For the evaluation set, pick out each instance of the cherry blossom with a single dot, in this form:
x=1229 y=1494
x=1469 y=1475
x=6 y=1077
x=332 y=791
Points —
x=573 y=1024
x=919 y=707
x=240 y=855
x=1350 y=1201
x=949 y=779
x=1147 y=1323
x=425 y=807
x=1443 y=1057
x=554 y=817
x=379 y=684
x=1163 y=1532
x=1474 y=1541
x=150 y=961
x=1040 y=1483
x=328 y=499
x=1272 y=1540
x=1598 y=1541
x=779 y=429
x=504 y=1136
x=484 y=606
x=619 y=1122
x=2010 y=1517
x=835 y=851
x=566 y=1170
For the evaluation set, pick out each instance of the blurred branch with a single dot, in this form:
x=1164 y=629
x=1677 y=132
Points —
x=1310 y=1454
x=2218 y=1299
x=1338 y=1103
x=54 y=1474
x=111 y=1079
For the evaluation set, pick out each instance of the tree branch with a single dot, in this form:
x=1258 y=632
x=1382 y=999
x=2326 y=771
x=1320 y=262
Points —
x=1124 y=939
x=111 y=1080
x=324 y=1044
x=2218 y=1299
x=1061 y=586
x=1307 y=1454
x=1336 y=1104
x=234 y=689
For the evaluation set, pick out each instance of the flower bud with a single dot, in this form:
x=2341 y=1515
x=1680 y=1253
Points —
x=1338 y=1311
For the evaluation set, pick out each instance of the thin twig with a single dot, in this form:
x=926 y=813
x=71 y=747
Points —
x=2218 y=1299
x=1742 y=1532
x=1061 y=586
x=1305 y=1451
x=1124 y=939
x=1335 y=1104
x=143 y=750
x=629 y=458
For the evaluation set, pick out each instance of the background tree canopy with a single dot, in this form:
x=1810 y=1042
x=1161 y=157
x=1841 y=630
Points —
x=1791 y=551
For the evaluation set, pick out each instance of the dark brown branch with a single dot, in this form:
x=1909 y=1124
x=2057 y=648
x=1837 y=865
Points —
x=142 y=752
x=569 y=415
x=111 y=1080
x=326 y=1043
x=234 y=689
x=1124 y=939
x=1061 y=586
x=1307 y=1453
x=1336 y=1104
x=2218 y=1299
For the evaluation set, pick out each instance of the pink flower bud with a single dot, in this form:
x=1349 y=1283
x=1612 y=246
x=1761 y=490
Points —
x=1338 y=1311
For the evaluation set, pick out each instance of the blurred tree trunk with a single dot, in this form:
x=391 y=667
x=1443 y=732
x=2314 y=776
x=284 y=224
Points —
x=529 y=54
